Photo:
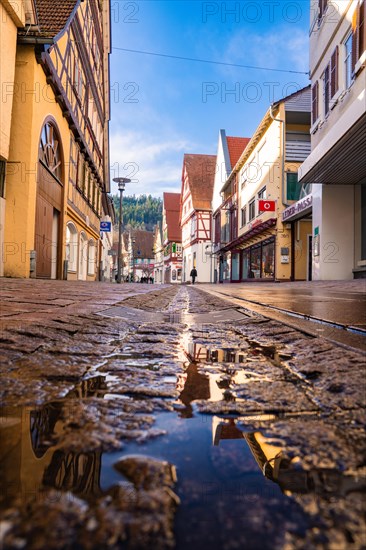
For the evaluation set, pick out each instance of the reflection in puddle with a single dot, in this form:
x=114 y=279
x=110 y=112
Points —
x=195 y=386
x=90 y=387
x=276 y=466
x=30 y=462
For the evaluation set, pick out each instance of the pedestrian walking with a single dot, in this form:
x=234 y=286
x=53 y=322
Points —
x=193 y=275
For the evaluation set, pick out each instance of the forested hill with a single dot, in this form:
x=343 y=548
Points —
x=142 y=212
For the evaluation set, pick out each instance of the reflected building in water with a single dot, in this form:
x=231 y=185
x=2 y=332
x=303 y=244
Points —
x=30 y=460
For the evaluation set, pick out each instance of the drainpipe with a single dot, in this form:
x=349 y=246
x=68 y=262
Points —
x=283 y=154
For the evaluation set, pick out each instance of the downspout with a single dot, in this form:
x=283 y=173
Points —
x=283 y=155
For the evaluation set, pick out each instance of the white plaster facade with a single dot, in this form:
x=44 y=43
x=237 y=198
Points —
x=338 y=139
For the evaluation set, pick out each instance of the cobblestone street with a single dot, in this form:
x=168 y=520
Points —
x=137 y=416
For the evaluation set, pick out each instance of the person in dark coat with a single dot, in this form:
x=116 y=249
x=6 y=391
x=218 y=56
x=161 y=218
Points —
x=193 y=275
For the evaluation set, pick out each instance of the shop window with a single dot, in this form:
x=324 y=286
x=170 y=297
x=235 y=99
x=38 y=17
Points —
x=255 y=262
x=174 y=275
x=268 y=260
x=235 y=266
x=293 y=187
x=179 y=274
x=251 y=210
x=245 y=264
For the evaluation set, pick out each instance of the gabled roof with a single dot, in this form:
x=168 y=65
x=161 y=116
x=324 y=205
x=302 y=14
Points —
x=201 y=171
x=52 y=18
x=144 y=243
x=171 y=205
x=236 y=146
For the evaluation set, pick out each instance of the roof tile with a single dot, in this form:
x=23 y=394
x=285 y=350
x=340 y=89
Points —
x=201 y=171
x=236 y=146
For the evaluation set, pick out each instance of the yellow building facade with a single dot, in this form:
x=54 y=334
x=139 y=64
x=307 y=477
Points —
x=263 y=183
x=57 y=168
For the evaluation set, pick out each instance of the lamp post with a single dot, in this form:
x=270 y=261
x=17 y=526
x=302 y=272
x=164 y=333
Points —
x=133 y=259
x=121 y=187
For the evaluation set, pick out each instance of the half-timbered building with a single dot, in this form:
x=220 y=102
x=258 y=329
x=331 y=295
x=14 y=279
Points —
x=198 y=176
x=172 y=238
x=59 y=153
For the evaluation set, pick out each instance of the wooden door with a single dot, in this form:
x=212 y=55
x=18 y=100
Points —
x=44 y=221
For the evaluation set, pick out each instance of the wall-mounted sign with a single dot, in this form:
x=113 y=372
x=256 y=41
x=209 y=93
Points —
x=106 y=226
x=266 y=206
x=298 y=209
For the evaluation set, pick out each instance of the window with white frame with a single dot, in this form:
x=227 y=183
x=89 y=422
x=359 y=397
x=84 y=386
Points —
x=348 y=61
x=71 y=247
x=243 y=216
x=251 y=210
x=262 y=194
x=326 y=90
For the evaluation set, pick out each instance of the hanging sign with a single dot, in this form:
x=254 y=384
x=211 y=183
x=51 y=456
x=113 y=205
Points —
x=106 y=226
x=266 y=206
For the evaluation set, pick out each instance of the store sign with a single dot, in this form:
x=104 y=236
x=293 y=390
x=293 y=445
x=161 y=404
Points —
x=106 y=226
x=298 y=208
x=266 y=206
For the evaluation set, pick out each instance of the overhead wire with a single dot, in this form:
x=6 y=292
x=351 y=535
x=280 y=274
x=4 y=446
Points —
x=197 y=60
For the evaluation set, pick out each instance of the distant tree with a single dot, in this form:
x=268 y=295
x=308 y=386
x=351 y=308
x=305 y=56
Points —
x=142 y=212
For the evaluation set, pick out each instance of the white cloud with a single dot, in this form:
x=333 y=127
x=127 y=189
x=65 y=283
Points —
x=154 y=165
x=277 y=50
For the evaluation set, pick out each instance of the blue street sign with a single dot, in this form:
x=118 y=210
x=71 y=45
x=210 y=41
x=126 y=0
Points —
x=106 y=226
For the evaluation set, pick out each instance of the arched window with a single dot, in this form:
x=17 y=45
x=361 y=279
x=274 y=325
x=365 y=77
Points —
x=71 y=247
x=91 y=257
x=83 y=256
x=49 y=150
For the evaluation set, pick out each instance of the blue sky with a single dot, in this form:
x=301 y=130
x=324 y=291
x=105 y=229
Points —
x=164 y=107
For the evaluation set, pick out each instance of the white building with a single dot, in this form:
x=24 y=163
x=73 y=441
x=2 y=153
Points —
x=338 y=138
x=196 y=216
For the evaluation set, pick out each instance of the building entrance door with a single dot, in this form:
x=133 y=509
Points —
x=310 y=258
x=48 y=204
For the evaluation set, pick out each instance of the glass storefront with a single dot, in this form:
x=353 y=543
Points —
x=235 y=266
x=258 y=261
x=245 y=264
x=268 y=260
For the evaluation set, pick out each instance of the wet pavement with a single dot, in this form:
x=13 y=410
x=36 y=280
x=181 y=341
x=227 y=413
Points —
x=333 y=309
x=136 y=416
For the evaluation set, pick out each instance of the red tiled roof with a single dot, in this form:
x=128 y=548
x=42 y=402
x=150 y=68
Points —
x=201 y=171
x=236 y=146
x=171 y=202
x=144 y=243
x=52 y=16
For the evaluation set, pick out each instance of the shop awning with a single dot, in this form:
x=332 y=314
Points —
x=259 y=228
x=342 y=163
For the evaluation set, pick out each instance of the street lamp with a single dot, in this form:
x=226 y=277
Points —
x=121 y=187
x=133 y=258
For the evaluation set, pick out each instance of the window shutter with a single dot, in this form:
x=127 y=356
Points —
x=334 y=73
x=362 y=28
x=314 y=101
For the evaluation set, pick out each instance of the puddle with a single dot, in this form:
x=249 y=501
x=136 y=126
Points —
x=237 y=488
